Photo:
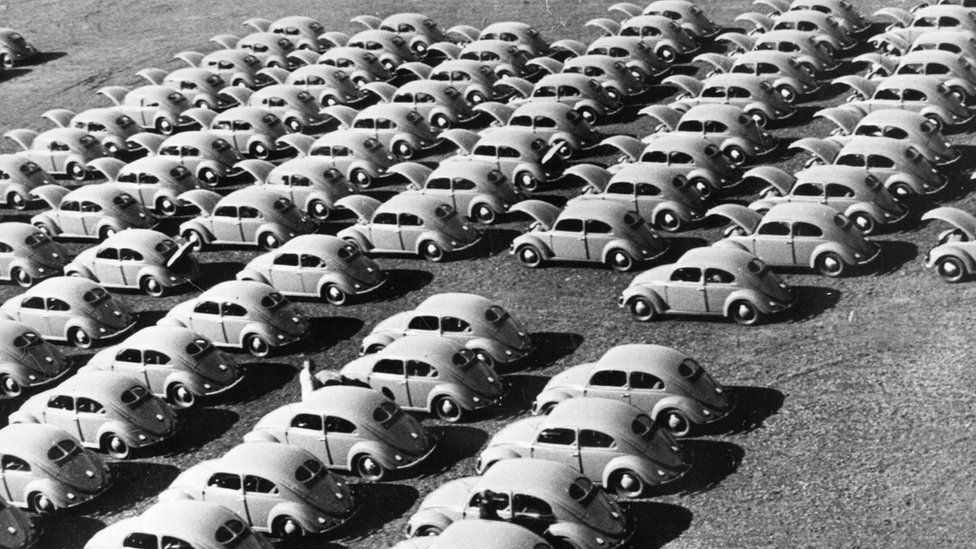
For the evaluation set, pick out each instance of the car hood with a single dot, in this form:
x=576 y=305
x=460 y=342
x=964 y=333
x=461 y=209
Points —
x=17 y=531
x=153 y=416
x=44 y=358
x=407 y=435
x=112 y=313
x=328 y=496
x=651 y=277
x=452 y=496
x=85 y=473
x=518 y=432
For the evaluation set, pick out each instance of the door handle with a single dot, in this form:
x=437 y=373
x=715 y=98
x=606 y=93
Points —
x=576 y=455
x=322 y=439
x=701 y=288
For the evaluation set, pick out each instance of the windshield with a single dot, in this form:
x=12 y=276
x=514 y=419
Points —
x=63 y=452
x=310 y=473
x=96 y=296
x=135 y=397
x=387 y=414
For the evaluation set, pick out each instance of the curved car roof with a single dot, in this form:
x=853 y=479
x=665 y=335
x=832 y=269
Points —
x=32 y=439
x=528 y=475
x=237 y=290
x=600 y=414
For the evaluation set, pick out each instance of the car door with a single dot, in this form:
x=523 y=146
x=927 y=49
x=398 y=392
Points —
x=285 y=273
x=411 y=227
x=307 y=430
x=132 y=261
x=58 y=315
x=557 y=444
x=233 y=318
x=596 y=449
x=389 y=377
x=91 y=215
x=608 y=384
x=598 y=236
x=226 y=489
x=90 y=415
x=773 y=243
x=567 y=239
x=260 y=497
x=15 y=475
x=32 y=313
x=108 y=267
x=645 y=390
x=464 y=191
x=341 y=435
x=70 y=218
x=251 y=220
x=384 y=232
x=60 y=412
x=806 y=238
x=225 y=224
x=648 y=196
x=128 y=361
x=206 y=321
x=157 y=367
x=840 y=196
x=57 y=155
x=719 y=285
x=312 y=269
x=421 y=380
x=686 y=290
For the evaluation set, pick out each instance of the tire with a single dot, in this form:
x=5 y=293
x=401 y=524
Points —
x=79 y=338
x=17 y=201
x=9 y=387
x=40 y=504
x=180 y=396
x=431 y=251
x=830 y=264
x=163 y=126
x=268 y=241
x=114 y=446
x=447 y=409
x=166 y=206
x=286 y=527
x=951 y=269
x=209 y=177
x=152 y=287
x=106 y=232
x=257 y=346
x=788 y=94
x=676 y=422
x=530 y=256
x=294 y=125
x=588 y=114
x=626 y=483
x=668 y=220
x=403 y=150
x=959 y=93
x=864 y=222
x=426 y=531
x=334 y=295
x=21 y=277
x=361 y=178
x=760 y=117
x=484 y=214
x=736 y=155
x=642 y=309
x=368 y=468
x=259 y=151
x=441 y=121
x=620 y=260
x=319 y=210
x=744 y=313
x=76 y=171
x=197 y=242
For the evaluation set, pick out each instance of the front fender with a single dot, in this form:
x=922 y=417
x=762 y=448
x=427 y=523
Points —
x=869 y=208
x=626 y=9
x=901 y=17
x=845 y=117
x=761 y=22
x=719 y=62
x=490 y=200
x=417 y=69
x=378 y=451
x=608 y=27
x=303 y=58
x=823 y=149
x=428 y=517
x=236 y=94
x=591 y=175
x=380 y=339
x=467 y=33
x=447 y=49
x=529 y=239
x=107 y=166
x=629 y=146
x=250 y=274
x=368 y=22
x=115 y=94
x=493 y=455
x=203 y=117
x=952 y=250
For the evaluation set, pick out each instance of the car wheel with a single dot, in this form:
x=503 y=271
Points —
x=642 y=309
x=530 y=256
x=620 y=260
x=830 y=264
x=197 y=243
x=448 y=409
x=864 y=222
x=787 y=93
x=426 y=531
x=368 y=468
x=208 y=176
x=286 y=527
x=180 y=396
x=79 y=338
x=626 y=483
x=736 y=155
x=676 y=422
x=268 y=241
x=17 y=201
x=760 y=117
x=441 y=121
x=527 y=182
x=668 y=220
x=361 y=178
x=334 y=295
x=114 y=446
x=951 y=269
x=166 y=206
x=40 y=504
x=744 y=312
x=106 y=232
x=667 y=54
x=259 y=151
x=21 y=277
x=484 y=214
x=257 y=346
x=588 y=114
x=431 y=251
x=294 y=125
x=958 y=93
x=319 y=210
x=403 y=150
x=164 y=126
x=9 y=387
x=76 y=171
x=152 y=287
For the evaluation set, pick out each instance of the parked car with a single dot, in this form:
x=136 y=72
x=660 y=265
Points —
x=926 y=95
x=955 y=72
x=907 y=26
x=549 y=498
x=349 y=428
x=612 y=443
x=793 y=81
x=602 y=232
x=911 y=127
x=200 y=86
x=45 y=469
x=667 y=384
x=477 y=190
x=301 y=30
x=842 y=11
x=474 y=79
x=205 y=153
x=311 y=183
x=330 y=85
x=409 y=223
x=390 y=48
x=252 y=215
x=636 y=53
x=16 y=529
x=362 y=65
x=91 y=212
x=619 y=82
x=70 y=309
x=241 y=314
x=798 y=235
x=27 y=255
x=806 y=47
x=108 y=125
x=478 y=534
x=27 y=360
x=560 y=125
x=180 y=524
x=481 y=325
x=153 y=108
x=440 y=103
x=156 y=182
x=400 y=128
x=18 y=177
x=361 y=158
x=954 y=256
x=317 y=265
x=15 y=49
x=727 y=282
x=110 y=412
x=294 y=105
x=670 y=41
x=428 y=373
x=58 y=151
x=517 y=152
x=728 y=127
x=175 y=363
x=687 y=14
x=754 y=95
x=960 y=42
x=279 y=488
x=836 y=39
x=251 y=131
x=236 y=67
x=270 y=48
x=584 y=94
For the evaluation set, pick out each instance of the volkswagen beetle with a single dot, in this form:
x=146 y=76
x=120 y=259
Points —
x=475 y=80
x=908 y=26
x=581 y=92
x=399 y=127
x=806 y=47
x=92 y=212
x=16 y=530
x=301 y=30
x=670 y=41
x=310 y=182
x=270 y=48
x=954 y=257
x=707 y=169
x=156 y=182
x=27 y=360
x=252 y=215
x=955 y=72
x=754 y=95
x=390 y=48
x=291 y=103
x=361 y=158
x=638 y=55
x=251 y=131
x=619 y=82
x=914 y=128
x=523 y=35
x=560 y=125
x=515 y=151
x=926 y=95
x=361 y=65
x=58 y=151
x=15 y=48
x=792 y=80
x=154 y=108
x=728 y=127
x=329 y=85
x=205 y=153
x=236 y=67
x=478 y=534
x=477 y=190
x=18 y=177
x=200 y=86
x=108 y=125
x=504 y=58
x=440 y=103
x=28 y=255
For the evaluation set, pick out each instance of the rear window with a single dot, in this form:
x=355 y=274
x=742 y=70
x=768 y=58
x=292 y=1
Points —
x=689 y=369
x=135 y=396
x=495 y=314
x=27 y=339
x=63 y=452
x=386 y=414
x=310 y=473
x=36 y=240
x=272 y=301
x=96 y=296
x=283 y=205
x=444 y=211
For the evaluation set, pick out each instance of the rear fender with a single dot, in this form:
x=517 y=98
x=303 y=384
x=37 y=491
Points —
x=341 y=113
x=521 y=86
x=834 y=247
x=258 y=24
x=145 y=141
x=627 y=145
x=489 y=200
x=953 y=250
x=745 y=295
x=738 y=40
x=569 y=48
x=719 y=62
x=901 y=17
x=379 y=451
x=107 y=166
x=368 y=22
x=498 y=111
x=545 y=64
x=381 y=89
x=299 y=142
x=115 y=94
x=687 y=84
x=608 y=27
x=413 y=172
x=22 y=137
x=591 y=175
x=447 y=49
x=620 y=244
x=466 y=33
x=761 y=107
x=632 y=462
x=823 y=149
x=869 y=208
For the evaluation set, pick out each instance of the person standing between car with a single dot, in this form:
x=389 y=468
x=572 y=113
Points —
x=308 y=378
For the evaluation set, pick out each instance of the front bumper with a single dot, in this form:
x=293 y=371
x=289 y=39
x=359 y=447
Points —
x=418 y=460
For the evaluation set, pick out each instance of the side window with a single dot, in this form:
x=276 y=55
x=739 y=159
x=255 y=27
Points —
x=310 y=422
x=609 y=378
x=155 y=357
x=108 y=253
x=428 y=323
x=385 y=218
x=89 y=406
x=533 y=507
x=808 y=189
x=55 y=304
x=207 y=308
x=170 y=542
x=562 y=437
x=70 y=206
x=126 y=254
x=388 y=366
x=415 y=368
x=687 y=274
x=878 y=161
x=855 y=160
x=338 y=425
x=679 y=157
x=226 y=481
x=287 y=259
x=13 y=463
x=807 y=230
x=232 y=309
x=247 y=212
x=410 y=220
x=836 y=190
x=129 y=355
x=259 y=485
x=90 y=207
x=311 y=261
x=774 y=228
x=452 y=324
x=226 y=211
x=438 y=183
x=646 y=189
x=595 y=439
x=33 y=302
x=461 y=184
x=718 y=276
x=61 y=402
x=595 y=226
x=569 y=225
x=642 y=380
x=138 y=540
x=620 y=187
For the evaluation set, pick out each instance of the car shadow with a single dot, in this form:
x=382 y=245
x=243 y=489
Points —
x=522 y=390
x=753 y=405
x=455 y=443
x=803 y=114
x=218 y=271
x=308 y=542
x=680 y=245
x=380 y=504
x=400 y=282
x=549 y=348
x=260 y=378
x=656 y=523
x=711 y=462
x=497 y=240
x=894 y=255
x=134 y=481
x=200 y=426
x=66 y=530
x=812 y=301
x=10 y=74
x=43 y=57
x=148 y=318
x=325 y=332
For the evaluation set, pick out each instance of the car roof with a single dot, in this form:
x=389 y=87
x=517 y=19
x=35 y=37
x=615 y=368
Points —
x=552 y=109
x=15 y=232
x=514 y=136
x=427 y=86
x=564 y=78
x=829 y=173
x=423 y=346
x=593 y=59
x=285 y=91
x=237 y=290
x=640 y=353
x=771 y=56
x=100 y=384
x=467 y=65
x=818 y=214
x=672 y=141
x=929 y=55
x=749 y=81
x=243 y=112
x=398 y=111
x=871 y=144
x=255 y=197
x=151 y=164
x=152 y=90
x=495 y=534
x=493 y=45
x=533 y=475
x=917 y=81
x=351 y=401
x=418 y=204
x=943 y=9
x=716 y=255
x=714 y=111
x=323 y=244
x=99 y=192
x=181 y=515
x=198 y=138
x=136 y=238
x=646 y=172
x=73 y=286
x=162 y=337
x=610 y=416
x=475 y=171
x=269 y=459
x=893 y=116
x=32 y=439
x=102 y=114
x=470 y=304
x=603 y=210
x=71 y=135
